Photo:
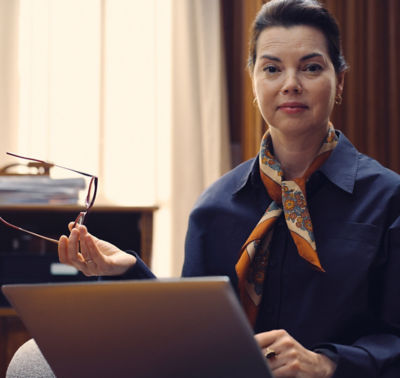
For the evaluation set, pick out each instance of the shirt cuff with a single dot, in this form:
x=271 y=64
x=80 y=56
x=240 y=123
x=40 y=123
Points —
x=352 y=361
x=331 y=354
x=137 y=272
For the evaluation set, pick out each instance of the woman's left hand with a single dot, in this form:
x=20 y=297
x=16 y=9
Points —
x=292 y=359
x=92 y=256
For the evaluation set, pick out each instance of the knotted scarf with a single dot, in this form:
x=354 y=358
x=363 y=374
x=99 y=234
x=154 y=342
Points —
x=289 y=197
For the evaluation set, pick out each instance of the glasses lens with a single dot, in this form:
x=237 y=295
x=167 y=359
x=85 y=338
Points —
x=56 y=185
x=72 y=188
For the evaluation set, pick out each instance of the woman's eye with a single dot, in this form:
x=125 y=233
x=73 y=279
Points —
x=270 y=69
x=313 y=68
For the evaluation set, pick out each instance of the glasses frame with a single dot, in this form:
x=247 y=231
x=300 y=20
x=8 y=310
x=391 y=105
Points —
x=89 y=200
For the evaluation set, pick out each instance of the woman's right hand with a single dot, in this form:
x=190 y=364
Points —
x=92 y=256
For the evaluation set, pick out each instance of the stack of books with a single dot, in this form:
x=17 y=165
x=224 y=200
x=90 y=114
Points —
x=37 y=189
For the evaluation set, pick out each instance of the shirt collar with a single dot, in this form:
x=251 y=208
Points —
x=250 y=175
x=340 y=168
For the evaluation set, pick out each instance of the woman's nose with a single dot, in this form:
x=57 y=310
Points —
x=292 y=84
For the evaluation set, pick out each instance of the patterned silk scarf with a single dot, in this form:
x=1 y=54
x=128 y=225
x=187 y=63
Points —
x=288 y=197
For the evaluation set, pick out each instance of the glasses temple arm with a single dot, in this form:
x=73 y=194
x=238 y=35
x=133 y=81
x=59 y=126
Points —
x=29 y=232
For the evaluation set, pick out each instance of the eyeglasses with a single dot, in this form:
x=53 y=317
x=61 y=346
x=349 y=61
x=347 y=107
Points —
x=89 y=199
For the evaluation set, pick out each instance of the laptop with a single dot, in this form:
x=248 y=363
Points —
x=188 y=327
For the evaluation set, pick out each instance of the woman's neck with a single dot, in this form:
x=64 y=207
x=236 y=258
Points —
x=296 y=153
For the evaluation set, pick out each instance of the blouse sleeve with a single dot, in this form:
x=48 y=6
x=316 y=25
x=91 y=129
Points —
x=139 y=271
x=194 y=253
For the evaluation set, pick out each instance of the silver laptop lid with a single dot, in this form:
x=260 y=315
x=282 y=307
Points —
x=191 y=327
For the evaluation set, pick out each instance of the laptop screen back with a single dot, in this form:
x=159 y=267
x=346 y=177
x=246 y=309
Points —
x=150 y=328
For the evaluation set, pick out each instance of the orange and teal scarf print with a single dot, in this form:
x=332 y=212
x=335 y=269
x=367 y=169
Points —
x=288 y=196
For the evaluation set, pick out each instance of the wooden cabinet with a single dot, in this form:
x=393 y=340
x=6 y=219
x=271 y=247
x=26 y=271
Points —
x=12 y=335
x=27 y=259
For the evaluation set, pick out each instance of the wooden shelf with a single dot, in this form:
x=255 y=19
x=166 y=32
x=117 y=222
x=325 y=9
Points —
x=24 y=258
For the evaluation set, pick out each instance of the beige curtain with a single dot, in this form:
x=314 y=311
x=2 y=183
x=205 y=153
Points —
x=179 y=85
x=8 y=76
x=200 y=152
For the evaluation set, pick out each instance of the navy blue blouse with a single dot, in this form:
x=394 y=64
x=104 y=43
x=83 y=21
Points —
x=354 y=307
x=352 y=310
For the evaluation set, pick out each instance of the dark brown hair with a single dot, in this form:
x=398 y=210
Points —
x=289 y=13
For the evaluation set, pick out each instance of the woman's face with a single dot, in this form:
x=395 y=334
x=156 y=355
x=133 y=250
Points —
x=294 y=80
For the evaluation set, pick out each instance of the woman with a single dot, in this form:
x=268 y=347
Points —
x=309 y=231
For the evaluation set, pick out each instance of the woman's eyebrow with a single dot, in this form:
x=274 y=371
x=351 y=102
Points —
x=310 y=56
x=305 y=57
x=270 y=57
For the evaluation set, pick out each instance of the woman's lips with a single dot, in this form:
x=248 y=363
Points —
x=293 y=107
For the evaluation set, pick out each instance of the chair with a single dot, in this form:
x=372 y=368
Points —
x=28 y=362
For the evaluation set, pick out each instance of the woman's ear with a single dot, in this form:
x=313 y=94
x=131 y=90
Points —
x=340 y=83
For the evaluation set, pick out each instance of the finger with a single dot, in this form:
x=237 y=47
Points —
x=270 y=336
x=289 y=354
x=63 y=253
x=266 y=339
x=62 y=249
x=91 y=249
x=275 y=345
x=286 y=364
x=82 y=246
x=90 y=254
x=73 y=254
x=275 y=361
x=91 y=268
x=279 y=362
x=282 y=371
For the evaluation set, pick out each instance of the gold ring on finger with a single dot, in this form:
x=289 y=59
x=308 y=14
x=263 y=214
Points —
x=269 y=353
